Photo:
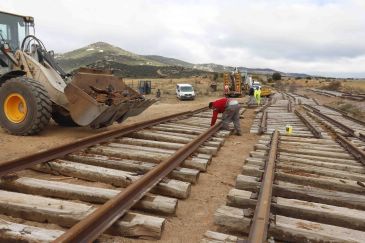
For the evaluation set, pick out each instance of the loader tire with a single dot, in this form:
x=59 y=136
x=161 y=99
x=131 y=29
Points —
x=25 y=106
x=63 y=120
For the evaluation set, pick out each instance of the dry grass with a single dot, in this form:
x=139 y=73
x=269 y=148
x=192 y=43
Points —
x=351 y=109
x=354 y=86
x=357 y=86
x=334 y=85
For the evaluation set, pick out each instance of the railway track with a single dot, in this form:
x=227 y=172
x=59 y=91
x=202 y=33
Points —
x=307 y=186
x=126 y=181
x=343 y=124
x=279 y=114
x=356 y=97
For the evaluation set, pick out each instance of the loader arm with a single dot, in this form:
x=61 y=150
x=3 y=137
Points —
x=46 y=75
x=85 y=99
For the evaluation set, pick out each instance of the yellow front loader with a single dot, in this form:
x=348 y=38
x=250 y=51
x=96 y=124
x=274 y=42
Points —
x=232 y=84
x=34 y=89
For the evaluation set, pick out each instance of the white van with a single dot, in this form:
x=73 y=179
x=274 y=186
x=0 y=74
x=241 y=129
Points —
x=185 y=92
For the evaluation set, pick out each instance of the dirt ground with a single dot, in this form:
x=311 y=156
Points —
x=13 y=146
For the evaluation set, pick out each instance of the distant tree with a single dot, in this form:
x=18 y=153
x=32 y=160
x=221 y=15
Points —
x=276 y=76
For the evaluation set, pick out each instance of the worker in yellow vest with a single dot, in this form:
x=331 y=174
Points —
x=257 y=95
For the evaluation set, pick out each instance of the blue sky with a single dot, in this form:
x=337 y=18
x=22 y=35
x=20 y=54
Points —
x=316 y=37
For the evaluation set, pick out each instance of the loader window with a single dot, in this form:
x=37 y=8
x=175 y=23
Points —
x=21 y=32
x=12 y=29
x=4 y=31
x=3 y=35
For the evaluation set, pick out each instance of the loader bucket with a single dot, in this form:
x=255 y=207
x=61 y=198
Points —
x=97 y=98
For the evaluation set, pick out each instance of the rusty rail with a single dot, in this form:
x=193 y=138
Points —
x=344 y=114
x=290 y=96
x=310 y=126
x=290 y=106
x=260 y=221
x=315 y=101
x=264 y=107
x=102 y=218
x=9 y=166
x=345 y=128
x=362 y=136
x=352 y=148
x=263 y=123
x=304 y=96
x=347 y=144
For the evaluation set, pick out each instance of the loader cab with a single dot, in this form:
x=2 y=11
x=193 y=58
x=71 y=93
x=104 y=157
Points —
x=13 y=29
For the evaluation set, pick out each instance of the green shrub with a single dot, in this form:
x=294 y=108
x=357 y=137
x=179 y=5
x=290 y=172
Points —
x=276 y=76
x=335 y=85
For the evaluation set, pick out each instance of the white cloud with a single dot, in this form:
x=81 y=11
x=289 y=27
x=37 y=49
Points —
x=313 y=36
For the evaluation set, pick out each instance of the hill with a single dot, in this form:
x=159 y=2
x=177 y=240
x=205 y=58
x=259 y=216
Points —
x=169 y=61
x=101 y=54
x=148 y=71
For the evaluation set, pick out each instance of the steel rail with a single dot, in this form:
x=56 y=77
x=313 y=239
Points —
x=348 y=145
x=345 y=128
x=103 y=217
x=290 y=106
x=264 y=107
x=309 y=125
x=353 y=97
x=304 y=96
x=260 y=221
x=362 y=136
x=310 y=107
x=291 y=96
x=315 y=101
x=263 y=123
x=14 y=165
x=344 y=114
x=352 y=148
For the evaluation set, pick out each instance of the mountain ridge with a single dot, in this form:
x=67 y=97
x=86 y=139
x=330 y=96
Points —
x=103 y=53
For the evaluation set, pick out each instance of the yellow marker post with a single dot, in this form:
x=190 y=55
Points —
x=288 y=129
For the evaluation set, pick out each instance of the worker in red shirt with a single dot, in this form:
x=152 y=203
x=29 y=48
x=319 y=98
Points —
x=230 y=109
